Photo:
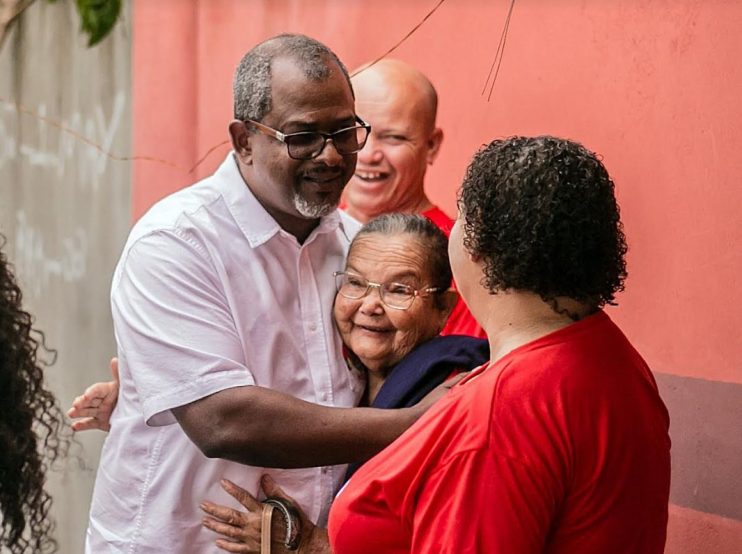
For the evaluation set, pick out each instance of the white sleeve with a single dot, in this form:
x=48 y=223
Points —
x=174 y=325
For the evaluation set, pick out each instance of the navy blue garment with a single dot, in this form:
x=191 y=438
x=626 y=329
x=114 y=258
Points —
x=426 y=367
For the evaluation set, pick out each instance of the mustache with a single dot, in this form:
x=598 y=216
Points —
x=324 y=174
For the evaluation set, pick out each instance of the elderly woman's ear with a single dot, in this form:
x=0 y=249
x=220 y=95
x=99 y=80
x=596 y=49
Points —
x=446 y=303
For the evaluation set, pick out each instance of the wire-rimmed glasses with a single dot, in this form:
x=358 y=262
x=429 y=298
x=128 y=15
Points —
x=394 y=295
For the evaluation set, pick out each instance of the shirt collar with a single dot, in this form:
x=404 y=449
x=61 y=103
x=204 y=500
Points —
x=253 y=220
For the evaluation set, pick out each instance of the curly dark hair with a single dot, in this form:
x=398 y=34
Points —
x=31 y=425
x=541 y=213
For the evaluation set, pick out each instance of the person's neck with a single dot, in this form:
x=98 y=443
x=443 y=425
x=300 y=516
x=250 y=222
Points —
x=374 y=378
x=414 y=205
x=514 y=318
x=299 y=227
x=374 y=384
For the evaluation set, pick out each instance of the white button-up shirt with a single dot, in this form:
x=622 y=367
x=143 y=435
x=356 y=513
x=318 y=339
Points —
x=210 y=293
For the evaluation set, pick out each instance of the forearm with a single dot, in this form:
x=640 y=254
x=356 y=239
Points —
x=261 y=427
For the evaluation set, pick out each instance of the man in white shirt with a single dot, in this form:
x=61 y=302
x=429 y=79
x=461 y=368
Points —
x=222 y=310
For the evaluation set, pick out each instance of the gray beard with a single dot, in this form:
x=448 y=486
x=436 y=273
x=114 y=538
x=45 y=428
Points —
x=311 y=210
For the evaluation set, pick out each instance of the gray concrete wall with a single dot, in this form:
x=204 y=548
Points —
x=65 y=208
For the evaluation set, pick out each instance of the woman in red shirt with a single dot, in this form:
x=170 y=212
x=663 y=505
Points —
x=560 y=444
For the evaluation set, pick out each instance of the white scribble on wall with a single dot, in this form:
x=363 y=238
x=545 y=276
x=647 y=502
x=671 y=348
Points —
x=38 y=263
x=61 y=152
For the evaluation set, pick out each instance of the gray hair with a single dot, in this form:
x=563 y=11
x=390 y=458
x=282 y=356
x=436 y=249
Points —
x=252 y=79
x=433 y=242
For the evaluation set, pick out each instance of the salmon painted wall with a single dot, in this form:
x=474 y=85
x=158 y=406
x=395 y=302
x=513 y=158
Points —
x=653 y=86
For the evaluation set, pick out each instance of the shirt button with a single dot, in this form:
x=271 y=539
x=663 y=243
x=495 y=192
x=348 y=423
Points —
x=323 y=396
x=312 y=327
x=325 y=470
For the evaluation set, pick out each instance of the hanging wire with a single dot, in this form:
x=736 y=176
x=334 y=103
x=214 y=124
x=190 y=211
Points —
x=54 y=123
x=499 y=53
x=20 y=108
x=393 y=48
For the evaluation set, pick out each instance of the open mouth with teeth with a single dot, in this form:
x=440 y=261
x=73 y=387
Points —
x=371 y=176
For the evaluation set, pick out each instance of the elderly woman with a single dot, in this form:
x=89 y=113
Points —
x=393 y=335
x=393 y=299
x=31 y=426
x=560 y=443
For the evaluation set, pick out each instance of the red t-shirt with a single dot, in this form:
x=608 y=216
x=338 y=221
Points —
x=561 y=446
x=461 y=322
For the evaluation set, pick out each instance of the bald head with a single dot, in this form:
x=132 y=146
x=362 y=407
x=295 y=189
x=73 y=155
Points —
x=391 y=81
x=400 y=103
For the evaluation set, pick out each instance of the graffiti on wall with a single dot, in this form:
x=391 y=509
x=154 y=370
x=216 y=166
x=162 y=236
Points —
x=61 y=152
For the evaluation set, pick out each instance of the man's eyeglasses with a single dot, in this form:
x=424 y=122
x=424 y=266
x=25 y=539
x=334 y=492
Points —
x=306 y=145
x=394 y=295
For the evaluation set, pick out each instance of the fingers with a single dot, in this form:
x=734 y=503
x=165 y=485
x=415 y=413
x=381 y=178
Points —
x=89 y=423
x=89 y=412
x=242 y=529
x=227 y=515
x=101 y=391
x=241 y=495
x=270 y=488
x=240 y=542
x=82 y=412
x=115 y=370
x=86 y=402
x=235 y=546
x=92 y=409
x=95 y=396
x=222 y=528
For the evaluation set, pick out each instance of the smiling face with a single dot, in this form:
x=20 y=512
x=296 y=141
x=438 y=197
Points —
x=295 y=190
x=378 y=335
x=399 y=104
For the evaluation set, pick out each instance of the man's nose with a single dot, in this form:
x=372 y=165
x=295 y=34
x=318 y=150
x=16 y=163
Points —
x=330 y=155
x=371 y=153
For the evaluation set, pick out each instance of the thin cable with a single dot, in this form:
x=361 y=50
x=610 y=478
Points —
x=54 y=123
x=502 y=51
x=393 y=48
x=499 y=53
x=208 y=153
x=20 y=108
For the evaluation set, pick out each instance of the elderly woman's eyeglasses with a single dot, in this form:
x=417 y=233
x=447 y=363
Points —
x=306 y=145
x=394 y=295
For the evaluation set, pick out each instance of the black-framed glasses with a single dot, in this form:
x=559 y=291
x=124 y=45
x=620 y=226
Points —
x=306 y=145
x=394 y=295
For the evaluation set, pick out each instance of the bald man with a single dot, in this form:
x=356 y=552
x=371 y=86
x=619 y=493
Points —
x=400 y=103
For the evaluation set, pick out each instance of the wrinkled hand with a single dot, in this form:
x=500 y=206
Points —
x=243 y=528
x=95 y=406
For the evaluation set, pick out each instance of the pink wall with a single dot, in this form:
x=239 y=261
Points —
x=653 y=86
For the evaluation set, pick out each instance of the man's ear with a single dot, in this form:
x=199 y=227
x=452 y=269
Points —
x=241 y=140
x=434 y=144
